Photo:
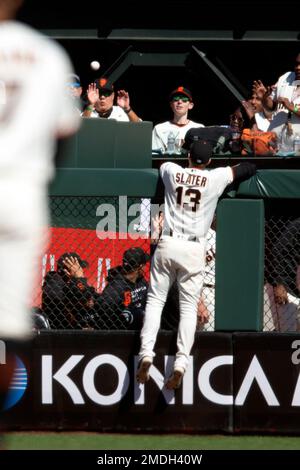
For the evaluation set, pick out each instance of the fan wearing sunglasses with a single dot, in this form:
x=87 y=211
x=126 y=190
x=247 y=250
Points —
x=181 y=102
x=101 y=96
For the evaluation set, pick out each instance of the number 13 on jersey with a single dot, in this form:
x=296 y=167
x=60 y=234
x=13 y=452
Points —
x=188 y=196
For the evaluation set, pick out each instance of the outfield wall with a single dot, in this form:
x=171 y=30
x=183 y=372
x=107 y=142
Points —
x=236 y=382
x=240 y=234
x=240 y=382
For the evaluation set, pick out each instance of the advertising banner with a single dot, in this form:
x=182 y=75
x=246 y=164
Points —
x=242 y=382
x=86 y=380
x=266 y=382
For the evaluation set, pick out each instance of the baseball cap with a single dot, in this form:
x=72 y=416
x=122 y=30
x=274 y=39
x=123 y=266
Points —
x=104 y=84
x=133 y=258
x=181 y=91
x=60 y=264
x=201 y=151
x=73 y=80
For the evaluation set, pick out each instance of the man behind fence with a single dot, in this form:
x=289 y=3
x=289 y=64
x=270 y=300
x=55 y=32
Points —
x=33 y=75
x=191 y=196
x=122 y=303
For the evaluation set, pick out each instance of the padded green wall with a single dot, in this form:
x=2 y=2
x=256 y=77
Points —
x=106 y=143
x=240 y=265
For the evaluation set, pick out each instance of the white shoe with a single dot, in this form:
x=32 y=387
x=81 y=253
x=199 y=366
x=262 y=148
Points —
x=174 y=381
x=142 y=375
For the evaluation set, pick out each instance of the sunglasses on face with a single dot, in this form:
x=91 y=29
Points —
x=106 y=94
x=74 y=85
x=185 y=99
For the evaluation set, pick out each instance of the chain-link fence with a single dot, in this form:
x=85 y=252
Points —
x=95 y=271
x=282 y=273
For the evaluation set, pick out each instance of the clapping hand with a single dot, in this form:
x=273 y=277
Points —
x=259 y=89
x=93 y=93
x=285 y=103
x=123 y=99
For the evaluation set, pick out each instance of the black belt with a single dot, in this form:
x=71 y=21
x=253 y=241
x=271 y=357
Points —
x=191 y=238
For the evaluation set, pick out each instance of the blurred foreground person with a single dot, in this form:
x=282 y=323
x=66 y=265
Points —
x=33 y=69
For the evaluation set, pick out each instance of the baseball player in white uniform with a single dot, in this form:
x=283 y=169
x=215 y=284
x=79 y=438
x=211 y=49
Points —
x=191 y=196
x=35 y=111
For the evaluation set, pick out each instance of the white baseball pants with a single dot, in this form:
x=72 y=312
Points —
x=23 y=217
x=184 y=261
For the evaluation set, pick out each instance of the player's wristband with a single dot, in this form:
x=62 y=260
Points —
x=127 y=111
x=90 y=108
x=296 y=109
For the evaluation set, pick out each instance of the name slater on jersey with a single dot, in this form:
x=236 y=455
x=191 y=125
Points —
x=194 y=180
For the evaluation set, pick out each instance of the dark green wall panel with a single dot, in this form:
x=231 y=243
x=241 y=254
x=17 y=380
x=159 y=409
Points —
x=240 y=265
x=104 y=182
x=106 y=143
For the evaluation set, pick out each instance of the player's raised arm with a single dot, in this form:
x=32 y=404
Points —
x=243 y=170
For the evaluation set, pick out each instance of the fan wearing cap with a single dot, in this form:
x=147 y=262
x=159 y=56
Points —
x=67 y=299
x=191 y=196
x=74 y=85
x=181 y=102
x=101 y=96
x=75 y=90
x=122 y=303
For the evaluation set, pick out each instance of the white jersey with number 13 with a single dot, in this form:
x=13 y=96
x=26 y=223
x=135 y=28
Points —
x=191 y=197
